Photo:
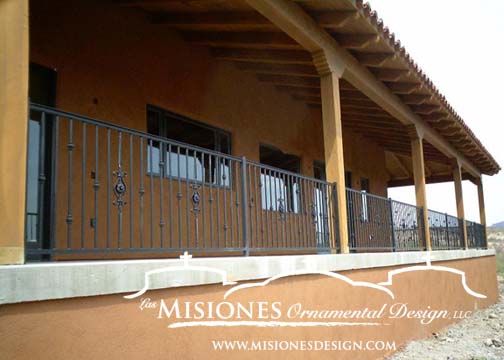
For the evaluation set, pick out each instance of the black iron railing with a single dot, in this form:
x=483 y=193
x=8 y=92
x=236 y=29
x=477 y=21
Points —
x=446 y=231
x=476 y=235
x=379 y=224
x=102 y=188
x=97 y=188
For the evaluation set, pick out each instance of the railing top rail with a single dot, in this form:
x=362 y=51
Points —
x=125 y=130
x=406 y=204
x=367 y=194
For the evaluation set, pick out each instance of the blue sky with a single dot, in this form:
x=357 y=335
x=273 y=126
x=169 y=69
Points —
x=460 y=45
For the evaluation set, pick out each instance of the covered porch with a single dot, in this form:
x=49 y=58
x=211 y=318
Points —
x=242 y=127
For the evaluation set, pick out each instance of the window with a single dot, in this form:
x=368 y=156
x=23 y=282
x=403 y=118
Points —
x=187 y=162
x=279 y=191
x=365 y=203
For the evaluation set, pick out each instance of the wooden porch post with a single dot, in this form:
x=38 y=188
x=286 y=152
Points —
x=459 y=197
x=419 y=177
x=481 y=200
x=14 y=60
x=333 y=142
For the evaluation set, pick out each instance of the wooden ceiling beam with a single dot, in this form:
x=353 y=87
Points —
x=434 y=116
x=250 y=39
x=400 y=164
x=425 y=109
x=373 y=59
x=356 y=41
x=415 y=99
x=266 y=56
x=387 y=74
x=403 y=87
x=215 y=21
x=333 y=20
x=282 y=69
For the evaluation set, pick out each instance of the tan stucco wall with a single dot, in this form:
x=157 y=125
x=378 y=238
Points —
x=115 y=328
x=112 y=55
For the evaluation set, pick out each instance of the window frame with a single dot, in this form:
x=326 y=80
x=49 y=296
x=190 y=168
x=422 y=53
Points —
x=218 y=134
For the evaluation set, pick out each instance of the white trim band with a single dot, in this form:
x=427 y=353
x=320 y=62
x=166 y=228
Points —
x=48 y=281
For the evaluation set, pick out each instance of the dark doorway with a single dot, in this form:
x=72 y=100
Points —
x=42 y=90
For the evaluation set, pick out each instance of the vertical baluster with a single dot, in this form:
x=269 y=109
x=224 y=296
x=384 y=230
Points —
x=83 y=190
x=195 y=203
x=269 y=207
x=151 y=193
x=258 y=206
x=41 y=180
x=187 y=186
x=224 y=204
x=108 y=188
x=54 y=182
x=252 y=199
x=233 y=226
x=245 y=224
x=119 y=201
x=96 y=187
x=179 y=199
x=217 y=194
x=170 y=193
x=161 y=195
x=141 y=192
x=132 y=186
x=203 y=185
x=69 y=219
x=211 y=198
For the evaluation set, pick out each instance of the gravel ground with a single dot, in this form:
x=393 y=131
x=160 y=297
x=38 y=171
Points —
x=480 y=337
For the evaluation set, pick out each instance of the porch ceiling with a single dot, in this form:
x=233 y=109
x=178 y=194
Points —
x=235 y=32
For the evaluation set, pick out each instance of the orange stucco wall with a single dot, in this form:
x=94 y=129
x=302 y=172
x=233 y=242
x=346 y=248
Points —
x=115 y=328
x=111 y=63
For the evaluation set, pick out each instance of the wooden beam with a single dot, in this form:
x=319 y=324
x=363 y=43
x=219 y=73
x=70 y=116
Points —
x=266 y=56
x=434 y=179
x=435 y=116
x=402 y=87
x=290 y=80
x=333 y=20
x=242 y=20
x=356 y=41
x=459 y=197
x=417 y=158
x=280 y=69
x=215 y=21
x=293 y=20
x=415 y=99
x=399 y=163
x=373 y=59
x=481 y=201
x=14 y=65
x=425 y=109
x=258 y=40
x=387 y=74
x=333 y=150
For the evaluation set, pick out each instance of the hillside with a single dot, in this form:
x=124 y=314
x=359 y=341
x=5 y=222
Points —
x=499 y=225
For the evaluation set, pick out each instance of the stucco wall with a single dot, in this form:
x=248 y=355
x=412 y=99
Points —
x=111 y=63
x=115 y=328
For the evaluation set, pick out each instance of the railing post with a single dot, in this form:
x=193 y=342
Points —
x=394 y=245
x=447 y=231
x=245 y=207
x=336 y=234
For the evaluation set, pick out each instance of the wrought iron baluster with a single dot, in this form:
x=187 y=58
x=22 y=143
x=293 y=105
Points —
x=69 y=218
x=83 y=190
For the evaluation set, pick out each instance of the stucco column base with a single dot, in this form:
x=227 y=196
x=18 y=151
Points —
x=11 y=255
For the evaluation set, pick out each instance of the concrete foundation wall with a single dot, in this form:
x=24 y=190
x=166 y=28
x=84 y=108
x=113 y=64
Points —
x=115 y=328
